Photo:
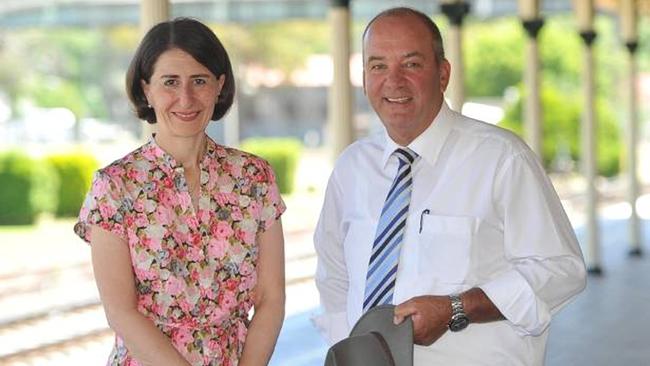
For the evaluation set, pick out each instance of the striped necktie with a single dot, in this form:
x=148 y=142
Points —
x=382 y=267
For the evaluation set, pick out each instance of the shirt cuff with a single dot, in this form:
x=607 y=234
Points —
x=333 y=326
x=513 y=296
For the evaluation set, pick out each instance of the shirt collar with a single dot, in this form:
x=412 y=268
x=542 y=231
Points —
x=429 y=143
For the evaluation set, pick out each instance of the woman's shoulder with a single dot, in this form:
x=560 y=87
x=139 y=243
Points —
x=122 y=168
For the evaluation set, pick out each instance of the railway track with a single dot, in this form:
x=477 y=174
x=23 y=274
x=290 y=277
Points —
x=53 y=316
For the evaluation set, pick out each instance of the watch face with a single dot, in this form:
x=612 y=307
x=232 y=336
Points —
x=459 y=323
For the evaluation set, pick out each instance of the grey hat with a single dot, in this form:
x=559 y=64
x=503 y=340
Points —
x=375 y=340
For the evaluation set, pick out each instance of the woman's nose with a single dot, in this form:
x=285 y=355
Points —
x=186 y=95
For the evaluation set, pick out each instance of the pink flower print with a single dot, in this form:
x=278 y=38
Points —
x=225 y=183
x=163 y=215
x=157 y=286
x=145 y=301
x=192 y=222
x=246 y=268
x=204 y=215
x=217 y=248
x=137 y=175
x=231 y=284
x=107 y=211
x=195 y=253
x=241 y=331
x=222 y=230
x=221 y=198
x=227 y=300
x=182 y=336
x=184 y=200
x=149 y=153
x=167 y=182
x=217 y=315
x=255 y=209
x=168 y=197
x=138 y=206
x=141 y=220
x=247 y=283
x=114 y=170
x=236 y=214
x=174 y=286
x=100 y=187
x=185 y=305
x=245 y=236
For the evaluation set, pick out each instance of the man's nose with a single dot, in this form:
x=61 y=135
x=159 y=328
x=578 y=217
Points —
x=396 y=76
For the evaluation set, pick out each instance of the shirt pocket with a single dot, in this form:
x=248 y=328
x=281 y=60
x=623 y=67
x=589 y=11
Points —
x=445 y=245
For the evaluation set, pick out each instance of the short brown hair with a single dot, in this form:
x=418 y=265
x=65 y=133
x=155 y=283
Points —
x=192 y=37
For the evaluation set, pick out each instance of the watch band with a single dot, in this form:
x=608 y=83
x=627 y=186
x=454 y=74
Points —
x=459 y=319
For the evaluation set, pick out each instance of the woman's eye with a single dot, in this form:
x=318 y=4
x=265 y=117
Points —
x=170 y=82
x=200 y=81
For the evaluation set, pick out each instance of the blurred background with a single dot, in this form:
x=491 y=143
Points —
x=524 y=65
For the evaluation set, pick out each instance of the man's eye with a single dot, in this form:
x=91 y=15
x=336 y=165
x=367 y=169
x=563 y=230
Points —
x=411 y=65
x=377 y=67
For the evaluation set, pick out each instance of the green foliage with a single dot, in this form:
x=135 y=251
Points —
x=561 y=129
x=74 y=171
x=494 y=55
x=281 y=153
x=28 y=187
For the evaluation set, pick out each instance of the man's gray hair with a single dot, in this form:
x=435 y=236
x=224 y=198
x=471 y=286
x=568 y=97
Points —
x=438 y=49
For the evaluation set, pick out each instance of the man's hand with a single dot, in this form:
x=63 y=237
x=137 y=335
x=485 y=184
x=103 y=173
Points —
x=430 y=316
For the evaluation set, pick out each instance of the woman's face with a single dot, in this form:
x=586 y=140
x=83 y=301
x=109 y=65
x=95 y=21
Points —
x=182 y=93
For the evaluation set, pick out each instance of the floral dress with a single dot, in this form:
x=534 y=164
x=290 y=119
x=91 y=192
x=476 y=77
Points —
x=195 y=268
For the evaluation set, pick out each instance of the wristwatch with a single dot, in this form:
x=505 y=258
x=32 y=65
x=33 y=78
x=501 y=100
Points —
x=459 y=319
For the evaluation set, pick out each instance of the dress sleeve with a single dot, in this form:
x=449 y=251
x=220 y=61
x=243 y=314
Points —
x=546 y=267
x=272 y=204
x=105 y=206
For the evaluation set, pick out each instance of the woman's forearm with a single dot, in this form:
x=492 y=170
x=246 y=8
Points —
x=146 y=343
x=263 y=333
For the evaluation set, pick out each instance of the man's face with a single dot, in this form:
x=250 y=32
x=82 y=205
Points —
x=402 y=79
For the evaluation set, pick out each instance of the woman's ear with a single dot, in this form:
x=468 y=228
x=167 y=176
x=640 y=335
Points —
x=145 y=89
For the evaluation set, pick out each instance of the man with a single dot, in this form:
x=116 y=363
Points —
x=459 y=226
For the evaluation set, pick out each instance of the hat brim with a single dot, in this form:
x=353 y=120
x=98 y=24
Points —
x=398 y=337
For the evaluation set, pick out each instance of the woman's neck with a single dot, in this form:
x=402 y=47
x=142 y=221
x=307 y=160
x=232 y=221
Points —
x=187 y=151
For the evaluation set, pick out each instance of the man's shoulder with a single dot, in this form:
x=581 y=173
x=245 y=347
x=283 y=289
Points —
x=369 y=147
x=487 y=134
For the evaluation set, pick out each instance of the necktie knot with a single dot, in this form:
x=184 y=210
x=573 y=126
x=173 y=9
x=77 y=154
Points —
x=405 y=155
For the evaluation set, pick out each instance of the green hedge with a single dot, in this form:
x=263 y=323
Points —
x=74 y=171
x=281 y=153
x=27 y=188
x=562 y=118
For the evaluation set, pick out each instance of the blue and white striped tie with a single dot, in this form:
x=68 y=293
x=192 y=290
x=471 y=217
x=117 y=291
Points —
x=382 y=267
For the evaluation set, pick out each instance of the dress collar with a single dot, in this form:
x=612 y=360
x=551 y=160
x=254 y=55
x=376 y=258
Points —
x=153 y=152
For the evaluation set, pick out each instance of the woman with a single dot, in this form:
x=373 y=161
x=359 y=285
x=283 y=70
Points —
x=186 y=234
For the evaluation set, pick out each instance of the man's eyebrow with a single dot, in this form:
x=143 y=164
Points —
x=414 y=54
x=376 y=58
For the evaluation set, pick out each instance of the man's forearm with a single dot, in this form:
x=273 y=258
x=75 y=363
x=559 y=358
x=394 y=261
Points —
x=478 y=307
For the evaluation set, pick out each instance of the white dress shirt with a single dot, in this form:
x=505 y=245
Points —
x=483 y=213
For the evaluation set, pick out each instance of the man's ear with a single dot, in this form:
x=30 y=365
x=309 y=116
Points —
x=445 y=74
x=363 y=75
